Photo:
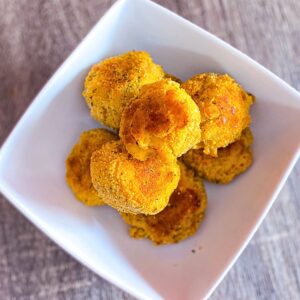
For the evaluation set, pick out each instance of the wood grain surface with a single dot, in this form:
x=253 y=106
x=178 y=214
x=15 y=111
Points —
x=36 y=37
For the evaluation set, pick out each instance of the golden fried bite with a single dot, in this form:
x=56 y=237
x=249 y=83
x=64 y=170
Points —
x=224 y=107
x=113 y=82
x=180 y=219
x=78 y=165
x=163 y=117
x=130 y=185
x=231 y=161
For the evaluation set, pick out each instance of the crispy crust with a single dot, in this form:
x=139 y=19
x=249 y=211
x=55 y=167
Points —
x=224 y=107
x=113 y=82
x=78 y=165
x=131 y=185
x=163 y=117
x=173 y=77
x=233 y=160
x=180 y=219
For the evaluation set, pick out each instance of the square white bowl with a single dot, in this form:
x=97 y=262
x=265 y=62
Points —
x=32 y=160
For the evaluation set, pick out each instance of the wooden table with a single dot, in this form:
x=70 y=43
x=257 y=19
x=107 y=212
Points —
x=36 y=37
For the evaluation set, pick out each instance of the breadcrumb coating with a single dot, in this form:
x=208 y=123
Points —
x=231 y=161
x=130 y=185
x=163 y=117
x=172 y=135
x=113 y=82
x=180 y=219
x=224 y=107
x=78 y=165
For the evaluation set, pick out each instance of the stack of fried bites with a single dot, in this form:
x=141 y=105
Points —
x=171 y=135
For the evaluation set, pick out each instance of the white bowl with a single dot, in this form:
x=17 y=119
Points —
x=32 y=169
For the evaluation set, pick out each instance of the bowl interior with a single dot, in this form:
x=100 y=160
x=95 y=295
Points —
x=32 y=162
